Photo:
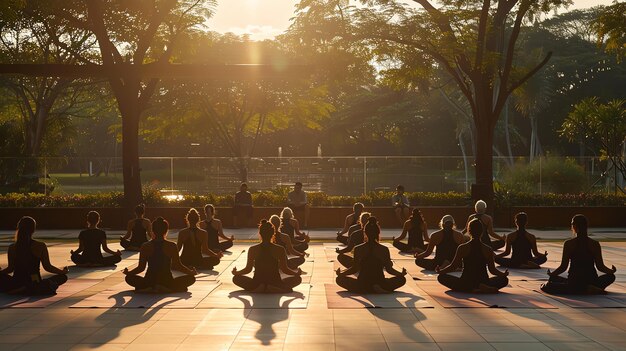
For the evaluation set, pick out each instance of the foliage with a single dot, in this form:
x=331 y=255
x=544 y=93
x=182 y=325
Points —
x=556 y=175
x=610 y=28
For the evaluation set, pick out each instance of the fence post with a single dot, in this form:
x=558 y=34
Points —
x=540 y=176
x=171 y=175
x=364 y=175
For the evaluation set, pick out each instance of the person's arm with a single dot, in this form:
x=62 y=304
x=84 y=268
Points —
x=564 y=260
x=533 y=245
x=394 y=201
x=405 y=201
x=282 y=261
x=106 y=249
x=290 y=201
x=389 y=265
x=597 y=254
x=507 y=248
x=490 y=230
x=176 y=264
x=207 y=251
x=456 y=262
x=249 y=264
x=11 y=261
x=356 y=266
x=129 y=230
x=405 y=230
x=287 y=240
x=182 y=237
x=220 y=231
x=296 y=227
x=149 y=228
x=348 y=247
x=491 y=265
x=141 y=266
x=346 y=225
x=45 y=262
x=425 y=231
x=469 y=218
x=435 y=239
x=81 y=247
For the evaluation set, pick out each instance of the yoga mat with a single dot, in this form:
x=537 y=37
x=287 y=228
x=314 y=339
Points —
x=508 y=297
x=230 y=296
x=396 y=254
x=331 y=255
x=123 y=296
x=615 y=298
x=405 y=297
x=68 y=289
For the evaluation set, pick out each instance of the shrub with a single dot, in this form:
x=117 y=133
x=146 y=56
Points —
x=557 y=175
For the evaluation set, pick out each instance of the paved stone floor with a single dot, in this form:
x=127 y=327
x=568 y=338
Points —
x=214 y=318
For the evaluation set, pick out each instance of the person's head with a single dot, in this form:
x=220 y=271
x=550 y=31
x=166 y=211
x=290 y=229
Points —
x=416 y=217
x=160 y=227
x=297 y=186
x=140 y=210
x=447 y=222
x=400 y=189
x=275 y=221
x=25 y=229
x=266 y=230
x=243 y=187
x=209 y=210
x=363 y=218
x=192 y=218
x=475 y=228
x=372 y=230
x=579 y=225
x=521 y=218
x=358 y=207
x=93 y=218
x=286 y=214
x=480 y=206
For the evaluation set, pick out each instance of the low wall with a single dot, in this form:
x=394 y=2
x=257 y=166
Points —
x=320 y=217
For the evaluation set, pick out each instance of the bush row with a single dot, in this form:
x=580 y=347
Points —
x=277 y=198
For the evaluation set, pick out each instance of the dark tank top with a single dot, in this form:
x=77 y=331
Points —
x=371 y=270
x=139 y=235
x=582 y=270
x=266 y=266
x=484 y=236
x=288 y=229
x=214 y=240
x=91 y=239
x=475 y=265
x=159 y=265
x=415 y=236
x=26 y=264
x=522 y=252
x=192 y=254
x=446 y=248
x=357 y=237
x=355 y=219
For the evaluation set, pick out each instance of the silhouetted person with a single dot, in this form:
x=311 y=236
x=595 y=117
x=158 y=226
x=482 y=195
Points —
x=351 y=220
x=446 y=240
x=357 y=237
x=25 y=256
x=401 y=205
x=214 y=228
x=415 y=226
x=585 y=254
x=480 y=207
x=268 y=260
x=194 y=242
x=160 y=255
x=476 y=257
x=284 y=240
x=297 y=201
x=291 y=227
x=371 y=260
x=243 y=206
x=138 y=230
x=89 y=242
x=524 y=245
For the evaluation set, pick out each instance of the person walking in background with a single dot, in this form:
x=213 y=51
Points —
x=243 y=207
x=297 y=201
x=138 y=230
x=90 y=240
x=401 y=205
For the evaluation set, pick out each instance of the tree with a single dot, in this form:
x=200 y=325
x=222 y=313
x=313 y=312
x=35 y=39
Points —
x=610 y=28
x=473 y=41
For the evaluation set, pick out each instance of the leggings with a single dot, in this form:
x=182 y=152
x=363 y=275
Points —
x=112 y=260
x=249 y=284
x=223 y=245
x=47 y=286
x=457 y=284
x=560 y=286
x=353 y=285
x=129 y=245
x=406 y=248
x=295 y=262
x=509 y=263
x=300 y=246
x=179 y=284
x=428 y=263
x=345 y=260
x=343 y=238
x=205 y=263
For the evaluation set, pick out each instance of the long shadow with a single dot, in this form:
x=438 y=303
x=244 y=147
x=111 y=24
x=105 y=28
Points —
x=265 y=334
x=407 y=325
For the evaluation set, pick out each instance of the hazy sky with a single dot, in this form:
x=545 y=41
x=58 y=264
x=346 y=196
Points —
x=266 y=18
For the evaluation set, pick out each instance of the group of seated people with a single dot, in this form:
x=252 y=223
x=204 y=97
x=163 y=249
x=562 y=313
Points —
x=282 y=248
x=472 y=254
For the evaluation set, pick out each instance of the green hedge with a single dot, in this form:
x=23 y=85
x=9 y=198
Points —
x=277 y=198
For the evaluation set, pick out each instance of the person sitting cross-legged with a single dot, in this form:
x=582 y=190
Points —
x=351 y=220
x=524 y=245
x=371 y=260
x=480 y=209
x=268 y=260
x=215 y=230
x=357 y=237
x=476 y=257
x=290 y=226
x=138 y=230
x=194 y=242
x=160 y=255
x=89 y=242
x=416 y=228
x=585 y=255
x=25 y=256
x=446 y=240
x=284 y=240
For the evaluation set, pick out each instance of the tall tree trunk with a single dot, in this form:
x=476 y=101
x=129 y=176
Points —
x=507 y=134
x=131 y=112
x=483 y=189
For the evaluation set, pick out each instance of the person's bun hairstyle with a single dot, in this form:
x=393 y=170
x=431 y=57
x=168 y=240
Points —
x=160 y=226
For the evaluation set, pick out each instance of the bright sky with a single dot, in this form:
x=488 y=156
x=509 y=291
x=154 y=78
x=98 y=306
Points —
x=264 y=19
